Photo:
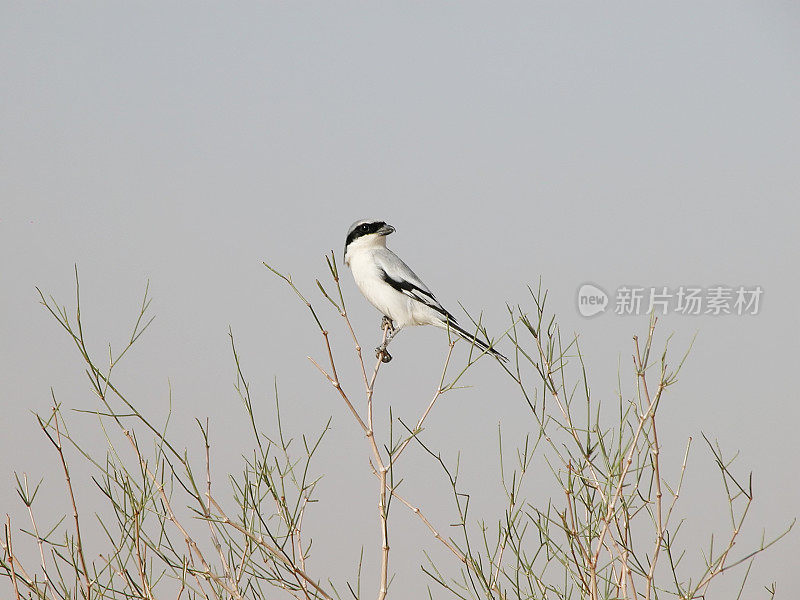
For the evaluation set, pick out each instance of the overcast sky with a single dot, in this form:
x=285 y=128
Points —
x=623 y=144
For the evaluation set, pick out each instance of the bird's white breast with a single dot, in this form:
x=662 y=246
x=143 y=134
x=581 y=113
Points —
x=400 y=308
x=369 y=279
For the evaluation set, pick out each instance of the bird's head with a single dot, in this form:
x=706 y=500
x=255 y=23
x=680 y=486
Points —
x=367 y=233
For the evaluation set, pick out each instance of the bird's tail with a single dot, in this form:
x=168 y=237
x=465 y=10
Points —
x=472 y=338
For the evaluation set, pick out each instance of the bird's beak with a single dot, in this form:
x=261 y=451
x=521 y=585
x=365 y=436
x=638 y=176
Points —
x=385 y=230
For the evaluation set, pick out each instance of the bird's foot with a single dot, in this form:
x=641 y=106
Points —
x=387 y=326
x=382 y=353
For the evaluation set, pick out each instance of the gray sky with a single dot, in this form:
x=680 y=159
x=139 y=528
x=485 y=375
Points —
x=620 y=144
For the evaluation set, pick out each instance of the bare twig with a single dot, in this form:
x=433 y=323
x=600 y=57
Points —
x=59 y=448
x=270 y=548
x=439 y=391
x=9 y=549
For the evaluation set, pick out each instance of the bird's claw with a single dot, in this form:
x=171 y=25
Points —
x=383 y=354
x=387 y=326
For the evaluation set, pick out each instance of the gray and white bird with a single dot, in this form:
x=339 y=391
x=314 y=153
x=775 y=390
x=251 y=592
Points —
x=394 y=289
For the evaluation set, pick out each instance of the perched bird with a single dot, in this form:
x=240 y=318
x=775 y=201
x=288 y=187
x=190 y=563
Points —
x=394 y=289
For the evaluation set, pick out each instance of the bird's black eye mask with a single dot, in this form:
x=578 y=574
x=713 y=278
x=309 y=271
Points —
x=362 y=230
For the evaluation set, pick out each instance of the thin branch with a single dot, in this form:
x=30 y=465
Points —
x=59 y=448
x=274 y=551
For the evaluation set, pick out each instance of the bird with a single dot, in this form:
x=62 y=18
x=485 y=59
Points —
x=394 y=289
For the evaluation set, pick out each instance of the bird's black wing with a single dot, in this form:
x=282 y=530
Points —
x=418 y=293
